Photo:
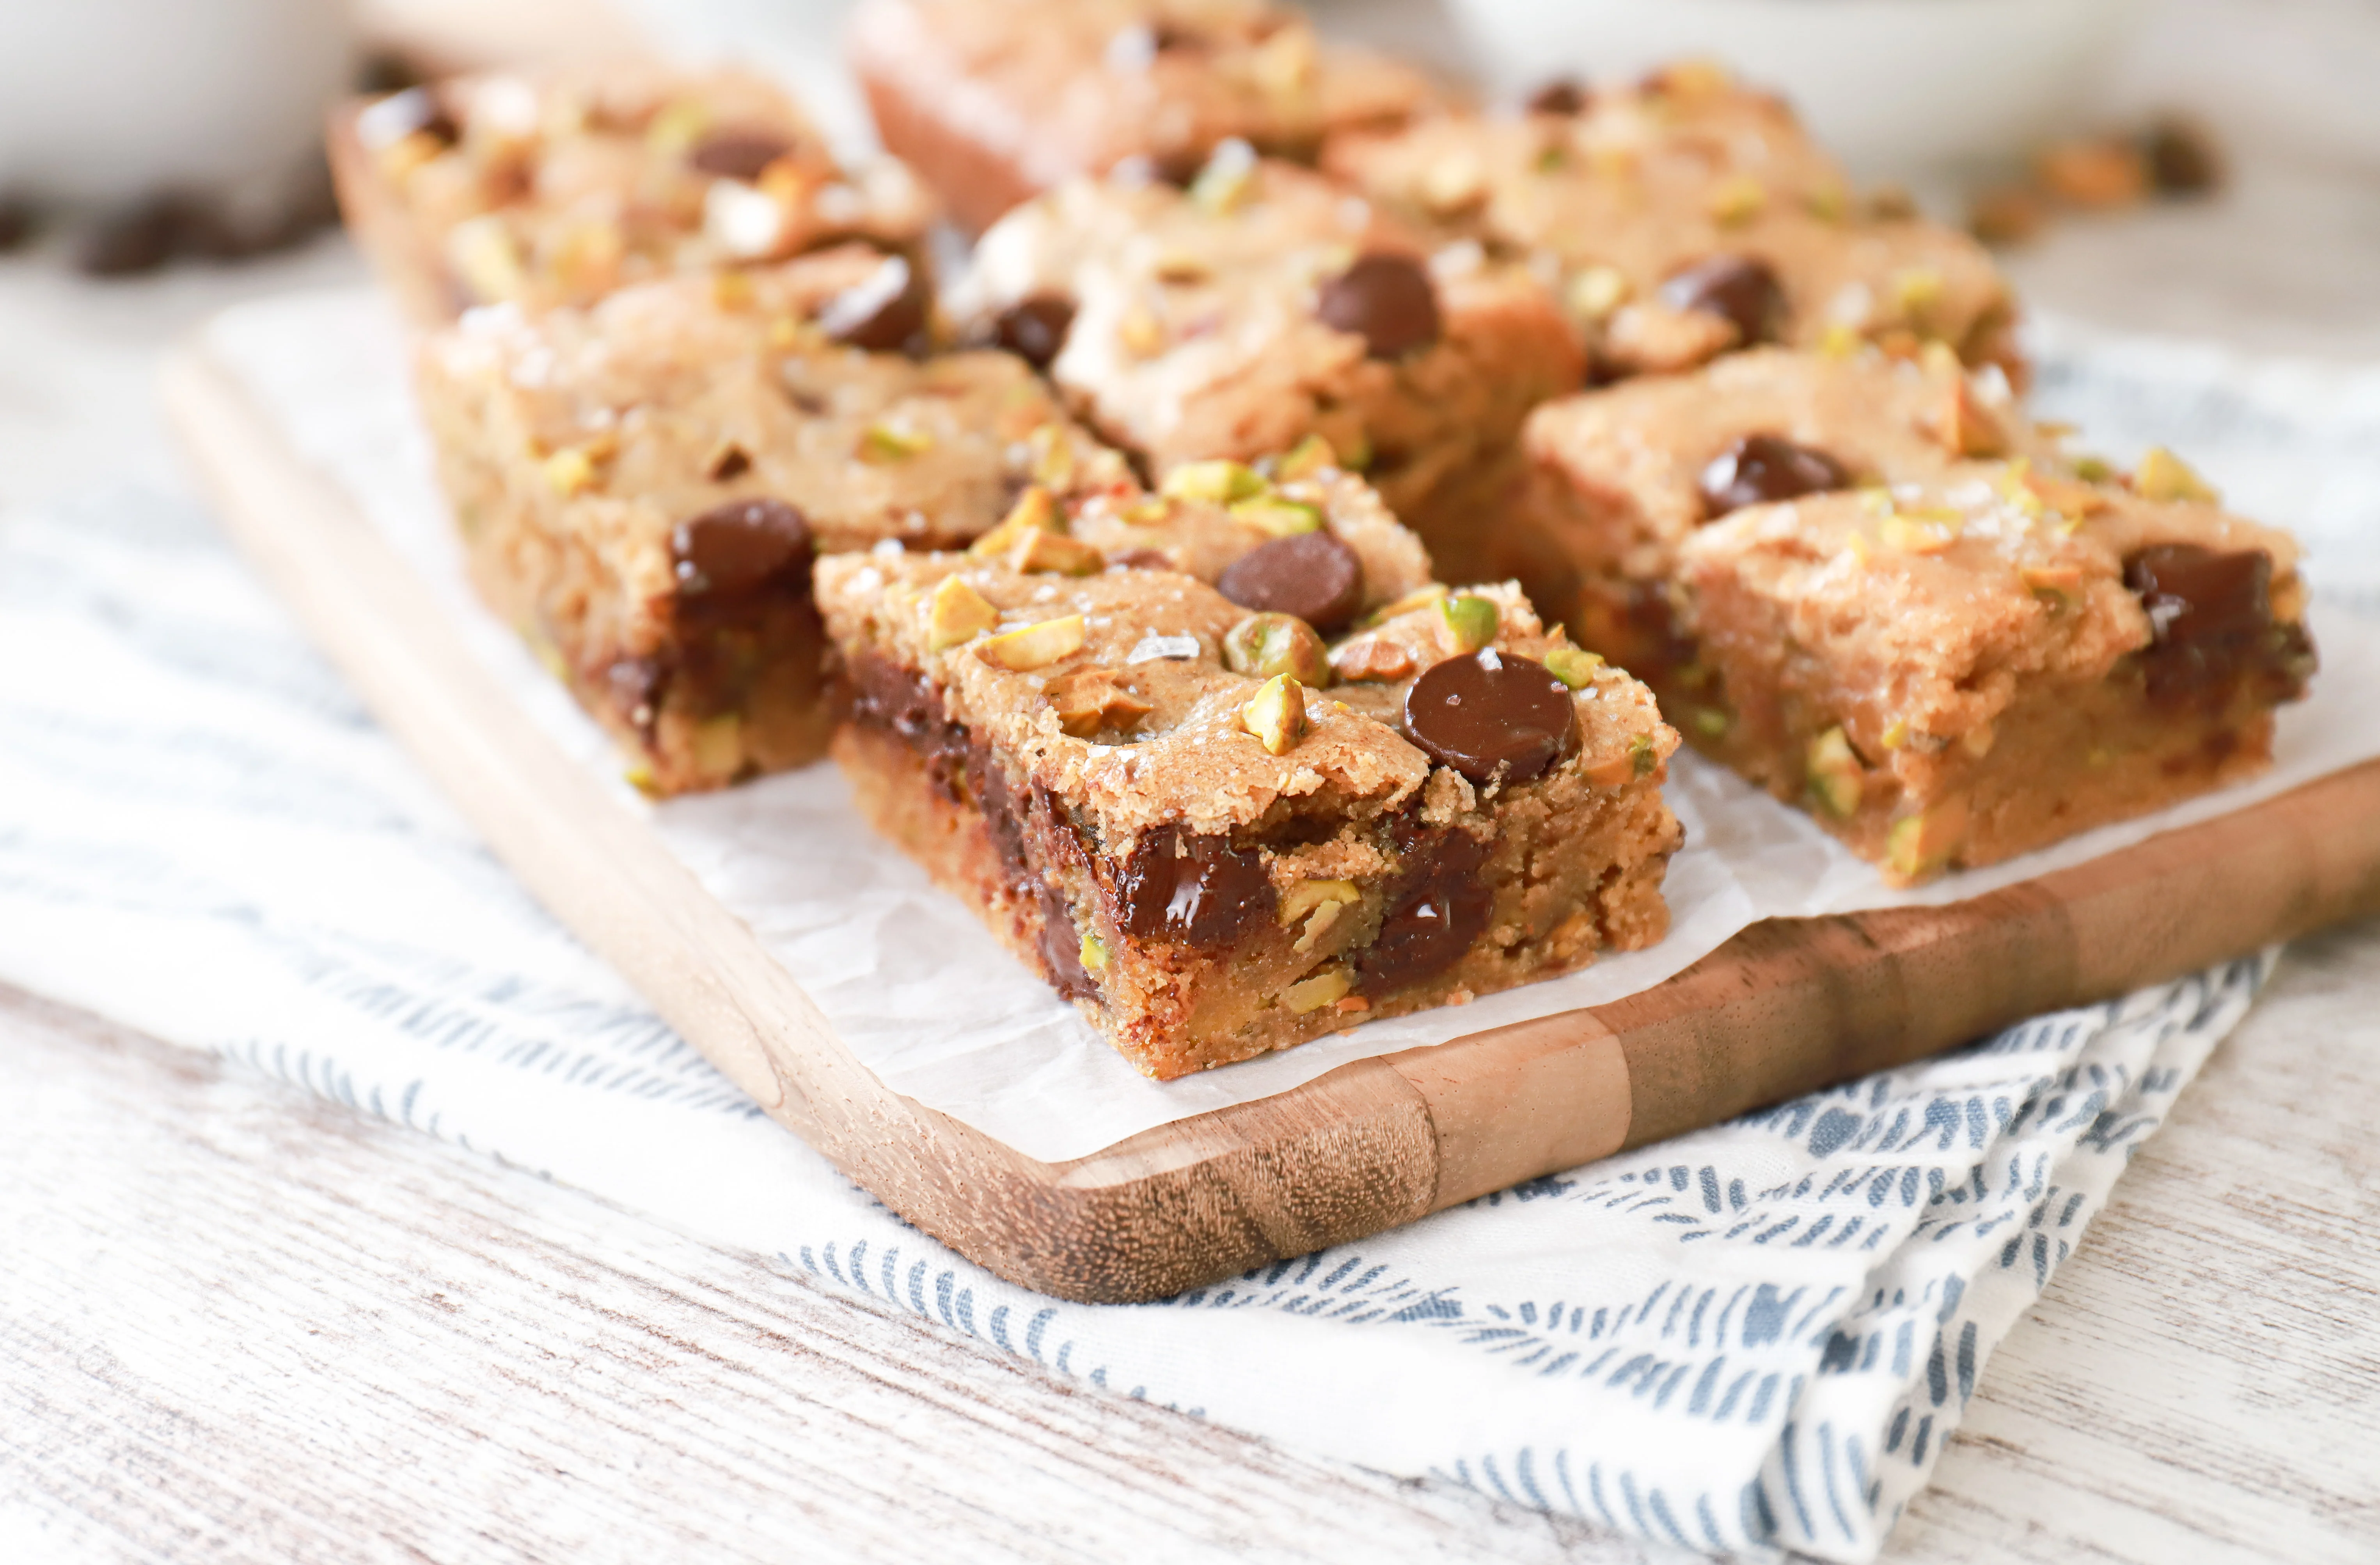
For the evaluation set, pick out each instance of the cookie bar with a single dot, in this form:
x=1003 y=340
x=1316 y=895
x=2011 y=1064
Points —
x=1686 y=217
x=1955 y=671
x=995 y=101
x=554 y=190
x=641 y=486
x=1218 y=841
x=1619 y=477
x=1265 y=305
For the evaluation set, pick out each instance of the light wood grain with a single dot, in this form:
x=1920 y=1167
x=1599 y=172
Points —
x=1782 y=1009
x=238 y=1324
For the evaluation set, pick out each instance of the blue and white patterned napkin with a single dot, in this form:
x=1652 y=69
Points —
x=1752 y=1337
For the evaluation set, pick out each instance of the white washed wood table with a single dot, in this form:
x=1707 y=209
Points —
x=240 y=1324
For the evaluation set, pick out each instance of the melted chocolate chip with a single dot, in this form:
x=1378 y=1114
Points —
x=1198 y=890
x=741 y=547
x=1491 y=712
x=639 y=685
x=1386 y=299
x=1312 y=575
x=738 y=154
x=1436 y=909
x=883 y=314
x=1562 y=95
x=1762 y=469
x=1062 y=947
x=1739 y=289
x=1034 y=329
x=2211 y=616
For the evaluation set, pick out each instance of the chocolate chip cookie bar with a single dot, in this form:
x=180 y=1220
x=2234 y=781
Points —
x=1618 y=478
x=1265 y=305
x=1950 y=672
x=641 y=486
x=1218 y=835
x=995 y=101
x=1684 y=218
x=554 y=190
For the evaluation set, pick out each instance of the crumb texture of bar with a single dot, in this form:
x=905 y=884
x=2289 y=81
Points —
x=1685 y=217
x=1214 y=858
x=1264 y=305
x=554 y=188
x=641 y=486
x=995 y=101
x=1619 y=477
x=1953 y=672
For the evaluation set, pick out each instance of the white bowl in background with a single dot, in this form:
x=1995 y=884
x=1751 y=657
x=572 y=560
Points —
x=1893 y=87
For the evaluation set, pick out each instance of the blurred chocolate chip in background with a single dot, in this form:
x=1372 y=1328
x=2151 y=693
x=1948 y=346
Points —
x=1385 y=298
x=1562 y=95
x=18 y=222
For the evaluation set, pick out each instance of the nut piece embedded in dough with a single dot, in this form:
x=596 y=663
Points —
x=1043 y=551
x=1312 y=994
x=958 y=613
x=1034 y=646
x=1276 y=715
x=1470 y=622
x=1573 y=666
x=1265 y=646
x=1278 y=517
x=1090 y=699
x=1923 y=844
x=1219 y=482
x=1836 y=777
x=2163 y=476
x=1368 y=658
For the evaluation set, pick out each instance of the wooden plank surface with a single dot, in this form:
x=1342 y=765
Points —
x=238 y=1324
x=1783 y=1007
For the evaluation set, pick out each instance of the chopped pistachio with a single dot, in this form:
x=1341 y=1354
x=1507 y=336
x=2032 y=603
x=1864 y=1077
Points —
x=1896 y=735
x=1355 y=451
x=1284 y=65
x=1264 y=646
x=1219 y=482
x=1093 y=954
x=569 y=471
x=1828 y=202
x=678 y=126
x=1961 y=423
x=1420 y=598
x=1915 y=291
x=1226 y=180
x=2163 y=476
x=1090 y=699
x=1737 y=200
x=1922 y=844
x=1034 y=646
x=957 y=612
x=1278 y=516
x=1034 y=512
x=1039 y=549
x=1919 y=534
x=1276 y=714
x=1307 y=895
x=1470 y=620
x=2093 y=470
x=1312 y=994
x=484 y=256
x=882 y=444
x=2065 y=496
x=1712 y=721
x=1307 y=458
x=1368 y=658
x=1836 y=777
x=1051 y=457
x=1638 y=760
x=1593 y=293
x=1573 y=666
x=1840 y=340
x=2062 y=584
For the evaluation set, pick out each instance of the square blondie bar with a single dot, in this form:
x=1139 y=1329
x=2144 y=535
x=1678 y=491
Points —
x=1954 y=671
x=995 y=101
x=1217 y=838
x=1265 y=305
x=554 y=188
x=641 y=486
x=1620 y=477
x=1685 y=217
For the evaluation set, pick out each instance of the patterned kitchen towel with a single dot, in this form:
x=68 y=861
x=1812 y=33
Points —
x=1754 y=1336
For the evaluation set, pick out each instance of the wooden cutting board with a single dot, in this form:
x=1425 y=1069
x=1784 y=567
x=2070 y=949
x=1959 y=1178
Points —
x=1785 y=1007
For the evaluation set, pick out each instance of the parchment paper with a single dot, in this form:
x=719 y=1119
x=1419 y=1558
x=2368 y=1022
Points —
x=929 y=1001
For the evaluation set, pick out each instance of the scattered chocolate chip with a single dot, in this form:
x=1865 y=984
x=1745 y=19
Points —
x=1739 y=289
x=1491 y=712
x=1562 y=95
x=1196 y=890
x=16 y=223
x=141 y=239
x=1312 y=575
x=738 y=154
x=1386 y=299
x=1436 y=909
x=741 y=547
x=1034 y=329
x=2211 y=617
x=2182 y=156
x=884 y=314
x=731 y=461
x=1762 y=469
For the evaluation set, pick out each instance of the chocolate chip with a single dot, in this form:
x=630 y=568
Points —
x=1387 y=301
x=741 y=547
x=1034 y=329
x=1196 y=890
x=883 y=314
x=1312 y=575
x=1739 y=289
x=1763 y=469
x=1436 y=910
x=138 y=240
x=2211 y=617
x=1562 y=95
x=739 y=154
x=638 y=686
x=16 y=223
x=1491 y=712
x=2182 y=157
